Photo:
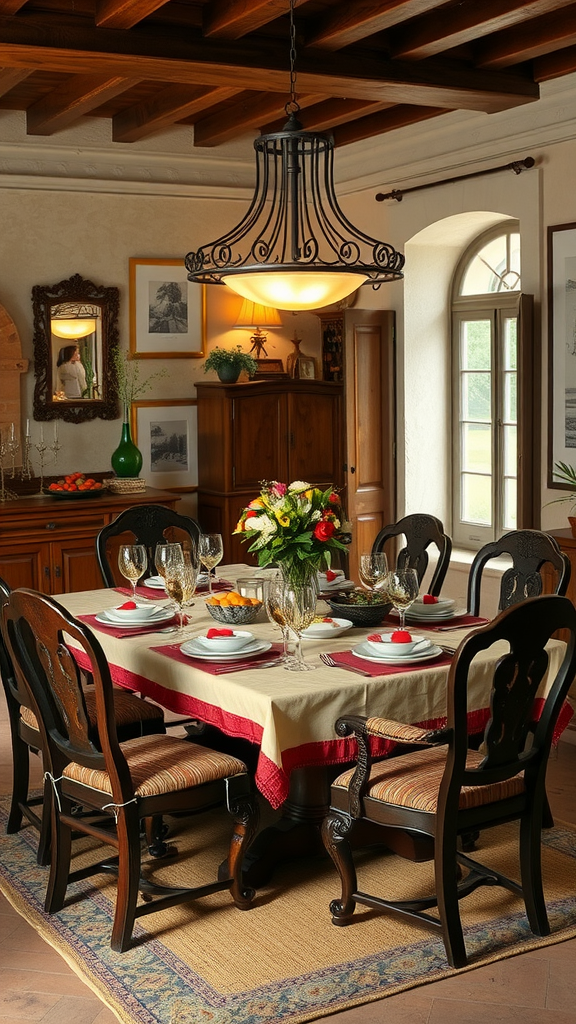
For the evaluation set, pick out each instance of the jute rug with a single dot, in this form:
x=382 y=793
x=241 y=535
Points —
x=283 y=962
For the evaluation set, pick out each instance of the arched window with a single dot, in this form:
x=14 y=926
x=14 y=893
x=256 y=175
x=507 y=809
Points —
x=485 y=362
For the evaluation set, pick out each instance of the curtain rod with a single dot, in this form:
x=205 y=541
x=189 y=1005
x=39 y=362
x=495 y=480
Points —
x=398 y=193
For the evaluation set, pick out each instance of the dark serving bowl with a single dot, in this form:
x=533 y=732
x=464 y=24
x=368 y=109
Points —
x=359 y=614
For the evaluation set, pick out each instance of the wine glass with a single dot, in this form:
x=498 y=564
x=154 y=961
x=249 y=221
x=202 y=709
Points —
x=373 y=569
x=211 y=552
x=161 y=557
x=273 y=590
x=402 y=586
x=180 y=578
x=132 y=562
x=298 y=606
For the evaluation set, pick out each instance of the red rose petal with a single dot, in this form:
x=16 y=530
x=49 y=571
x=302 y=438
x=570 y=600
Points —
x=213 y=633
x=128 y=606
x=376 y=638
x=428 y=599
x=401 y=636
x=330 y=575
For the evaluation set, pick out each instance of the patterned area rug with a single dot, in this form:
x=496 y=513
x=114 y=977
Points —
x=283 y=962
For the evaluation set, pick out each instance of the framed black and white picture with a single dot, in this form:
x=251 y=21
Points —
x=562 y=348
x=167 y=311
x=166 y=433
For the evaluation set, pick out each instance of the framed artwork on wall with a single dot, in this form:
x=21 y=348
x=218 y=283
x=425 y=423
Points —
x=166 y=433
x=562 y=348
x=306 y=368
x=167 y=311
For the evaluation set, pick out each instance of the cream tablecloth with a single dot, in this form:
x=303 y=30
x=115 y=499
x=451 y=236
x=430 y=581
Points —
x=289 y=715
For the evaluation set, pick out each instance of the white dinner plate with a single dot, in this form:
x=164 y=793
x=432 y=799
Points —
x=195 y=650
x=412 y=616
x=339 y=584
x=156 y=582
x=365 y=652
x=163 y=615
x=326 y=631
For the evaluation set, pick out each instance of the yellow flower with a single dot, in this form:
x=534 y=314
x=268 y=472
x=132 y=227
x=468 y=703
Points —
x=256 y=503
x=284 y=520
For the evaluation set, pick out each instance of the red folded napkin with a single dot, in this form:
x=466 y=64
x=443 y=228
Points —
x=345 y=658
x=155 y=594
x=456 y=622
x=217 y=668
x=120 y=631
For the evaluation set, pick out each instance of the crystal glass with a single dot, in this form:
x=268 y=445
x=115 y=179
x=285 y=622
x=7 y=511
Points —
x=273 y=594
x=298 y=606
x=132 y=562
x=180 y=578
x=401 y=586
x=161 y=556
x=211 y=552
x=373 y=569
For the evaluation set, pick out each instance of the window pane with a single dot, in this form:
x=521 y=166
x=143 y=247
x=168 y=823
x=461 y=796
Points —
x=495 y=268
x=510 y=504
x=476 y=448
x=477 y=499
x=509 y=434
x=510 y=343
x=476 y=397
x=510 y=382
x=475 y=344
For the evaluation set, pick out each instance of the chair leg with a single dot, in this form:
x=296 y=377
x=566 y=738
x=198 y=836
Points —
x=128 y=830
x=446 y=877
x=531 y=872
x=335 y=831
x=20 y=780
x=245 y=813
x=547 y=819
x=60 y=853
x=44 y=843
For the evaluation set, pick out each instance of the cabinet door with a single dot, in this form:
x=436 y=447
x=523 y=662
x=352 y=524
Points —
x=74 y=566
x=258 y=440
x=315 y=438
x=26 y=566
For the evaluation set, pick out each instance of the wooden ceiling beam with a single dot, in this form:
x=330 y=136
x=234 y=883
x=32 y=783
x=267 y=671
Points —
x=71 y=101
x=124 y=13
x=435 y=33
x=233 y=19
x=386 y=121
x=351 y=22
x=237 y=119
x=193 y=61
x=529 y=40
x=11 y=6
x=329 y=113
x=164 y=109
x=10 y=77
x=554 y=65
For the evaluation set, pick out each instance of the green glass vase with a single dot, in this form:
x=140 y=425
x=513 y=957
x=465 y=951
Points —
x=127 y=459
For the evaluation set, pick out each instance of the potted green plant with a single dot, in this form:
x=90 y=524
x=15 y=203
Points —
x=229 y=362
x=567 y=474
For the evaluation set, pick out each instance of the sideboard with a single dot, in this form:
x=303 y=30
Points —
x=48 y=544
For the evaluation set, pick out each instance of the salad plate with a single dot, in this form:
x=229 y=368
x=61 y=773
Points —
x=107 y=618
x=366 y=652
x=195 y=649
x=326 y=630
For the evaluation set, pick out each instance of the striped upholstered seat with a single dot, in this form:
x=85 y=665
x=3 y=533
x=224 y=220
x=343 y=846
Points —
x=128 y=709
x=413 y=780
x=162 y=764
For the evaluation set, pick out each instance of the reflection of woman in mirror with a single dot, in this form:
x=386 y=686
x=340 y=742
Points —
x=70 y=374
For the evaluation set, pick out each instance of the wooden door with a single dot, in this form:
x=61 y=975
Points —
x=74 y=566
x=26 y=565
x=370 y=426
x=315 y=437
x=258 y=440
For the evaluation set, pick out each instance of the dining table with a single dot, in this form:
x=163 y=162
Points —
x=290 y=716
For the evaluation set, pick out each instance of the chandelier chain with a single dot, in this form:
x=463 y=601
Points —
x=292 y=107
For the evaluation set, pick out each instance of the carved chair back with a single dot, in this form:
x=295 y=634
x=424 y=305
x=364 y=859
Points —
x=420 y=532
x=149 y=525
x=530 y=550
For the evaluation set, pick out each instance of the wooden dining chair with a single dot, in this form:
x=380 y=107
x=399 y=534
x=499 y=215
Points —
x=420 y=532
x=446 y=790
x=149 y=525
x=530 y=551
x=118 y=785
x=133 y=717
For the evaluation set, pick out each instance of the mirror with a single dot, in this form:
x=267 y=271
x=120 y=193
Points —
x=75 y=335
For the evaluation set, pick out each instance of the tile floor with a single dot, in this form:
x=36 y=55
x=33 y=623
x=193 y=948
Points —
x=536 y=988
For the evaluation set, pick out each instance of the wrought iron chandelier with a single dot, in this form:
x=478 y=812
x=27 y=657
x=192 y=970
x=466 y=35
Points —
x=294 y=248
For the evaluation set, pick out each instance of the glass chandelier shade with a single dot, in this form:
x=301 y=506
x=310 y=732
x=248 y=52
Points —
x=294 y=249
x=73 y=328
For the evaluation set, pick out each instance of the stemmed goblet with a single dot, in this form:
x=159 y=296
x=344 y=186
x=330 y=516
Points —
x=161 y=557
x=298 y=605
x=132 y=562
x=373 y=569
x=211 y=551
x=402 y=586
x=181 y=576
x=273 y=592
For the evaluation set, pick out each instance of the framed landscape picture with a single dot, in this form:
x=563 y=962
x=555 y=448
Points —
x=562 y=348
x=166 y=433
x=167 y=311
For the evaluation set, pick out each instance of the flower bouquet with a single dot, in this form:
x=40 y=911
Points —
x=294 y=525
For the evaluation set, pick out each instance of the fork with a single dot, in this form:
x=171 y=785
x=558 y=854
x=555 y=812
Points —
x=328 y=660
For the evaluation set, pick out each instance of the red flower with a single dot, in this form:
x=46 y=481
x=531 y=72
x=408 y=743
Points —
x=323 y=530
x=250 y=513
x=334 y=498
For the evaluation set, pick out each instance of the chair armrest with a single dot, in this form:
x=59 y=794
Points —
x=388 y=729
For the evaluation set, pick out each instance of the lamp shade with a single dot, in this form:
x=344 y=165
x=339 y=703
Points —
x=254 y=316
x=298 y=291
x=72 y=328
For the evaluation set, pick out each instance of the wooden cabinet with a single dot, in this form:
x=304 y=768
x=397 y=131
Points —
x=49 y=544
x=567 y=544
x=263 y=430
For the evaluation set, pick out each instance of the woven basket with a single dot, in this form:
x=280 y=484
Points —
x=125 y=485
